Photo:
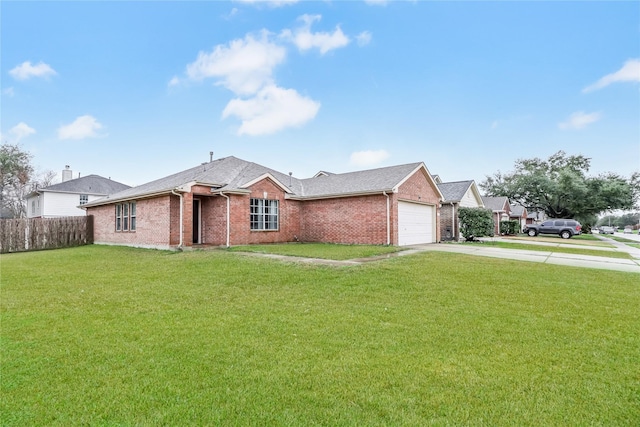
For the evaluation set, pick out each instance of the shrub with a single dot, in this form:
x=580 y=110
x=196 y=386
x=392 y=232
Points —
x=509 y=227
x=475 y=222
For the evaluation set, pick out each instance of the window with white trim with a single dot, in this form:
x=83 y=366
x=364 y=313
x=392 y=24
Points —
x=126 y=216
x=84 y=199
x=264 y=214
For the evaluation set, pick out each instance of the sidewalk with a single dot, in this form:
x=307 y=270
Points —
x=548 y=257
x=480 y=249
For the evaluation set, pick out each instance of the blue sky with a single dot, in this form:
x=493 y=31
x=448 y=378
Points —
x=139 y=90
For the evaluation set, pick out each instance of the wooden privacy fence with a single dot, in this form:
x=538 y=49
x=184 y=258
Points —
x=32 y=234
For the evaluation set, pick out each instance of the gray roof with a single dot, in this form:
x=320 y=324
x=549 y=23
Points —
x=90 y=184
x=454 y=191
x=230 y=174
x=517 y=210
x=495 y=203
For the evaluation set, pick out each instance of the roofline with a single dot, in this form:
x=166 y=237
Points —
x=107 y=201
x=267 y=175
x=219 y=192
x=340 y=195
x=66 y=192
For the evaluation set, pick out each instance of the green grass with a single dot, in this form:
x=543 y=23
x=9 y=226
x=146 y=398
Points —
x=319 y=250
x=119 y=336
x=566 y=250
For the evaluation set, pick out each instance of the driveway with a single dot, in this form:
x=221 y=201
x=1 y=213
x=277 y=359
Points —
x=547 y=257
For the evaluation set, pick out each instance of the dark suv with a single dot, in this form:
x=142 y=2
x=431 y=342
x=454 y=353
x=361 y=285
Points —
x=565 y=228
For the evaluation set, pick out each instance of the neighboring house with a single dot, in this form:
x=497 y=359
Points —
x=460 y=194
x=501 y=210
x=536 y=217
x=519 y=213
x=65 y=198
x=230 y=201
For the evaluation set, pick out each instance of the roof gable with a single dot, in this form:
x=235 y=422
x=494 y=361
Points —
x=496 y=203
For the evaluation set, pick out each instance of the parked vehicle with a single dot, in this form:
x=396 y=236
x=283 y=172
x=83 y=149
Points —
x=605 y=229
x=565 y=228
x=627 y=230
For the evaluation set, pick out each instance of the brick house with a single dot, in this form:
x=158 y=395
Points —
x=230 y=201
x=501 y=210
x=519 y=213
x=459 y=194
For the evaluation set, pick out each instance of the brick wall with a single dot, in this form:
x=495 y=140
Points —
x=346 y=220
x=447 y=212
x=152 y=224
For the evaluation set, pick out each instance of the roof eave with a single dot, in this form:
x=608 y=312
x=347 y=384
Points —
x=339 y=195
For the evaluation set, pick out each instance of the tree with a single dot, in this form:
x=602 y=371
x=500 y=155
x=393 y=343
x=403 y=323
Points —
x=15 y=174
x=475 y=222
x=560 y=187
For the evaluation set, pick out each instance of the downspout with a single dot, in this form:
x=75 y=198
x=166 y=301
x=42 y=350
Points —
x=454 y=233
x=228 y=215
x=388 y=220
x=173 y=191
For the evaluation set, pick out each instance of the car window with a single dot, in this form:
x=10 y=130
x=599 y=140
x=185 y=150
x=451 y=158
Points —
x=559 y=223
x=572 y=223
x=547 y=223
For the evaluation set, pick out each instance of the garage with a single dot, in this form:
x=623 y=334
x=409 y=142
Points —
x=415 y=223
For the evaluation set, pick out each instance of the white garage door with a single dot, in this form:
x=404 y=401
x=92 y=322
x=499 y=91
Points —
x=415 y=223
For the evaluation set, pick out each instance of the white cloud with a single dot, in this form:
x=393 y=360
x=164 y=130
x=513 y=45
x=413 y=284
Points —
x=16 y=133
x=579 y=120
x=175 y=81
x=368 y=157
x=304 y=39
x=271 y=110
x=25 y=71
x=244 y=66
x=364 y=38
x=271 y=3
x=83 y=127
x=630 y=72
x=376 y=2
x=8 y=91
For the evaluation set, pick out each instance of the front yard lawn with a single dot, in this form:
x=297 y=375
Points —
x=101 y=335
x=319 y=250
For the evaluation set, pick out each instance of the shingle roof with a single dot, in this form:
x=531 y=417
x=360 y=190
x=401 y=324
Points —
x=454 y=191
x=230 y=174
x=90 y=184
x=495 y=203
x=517 y=210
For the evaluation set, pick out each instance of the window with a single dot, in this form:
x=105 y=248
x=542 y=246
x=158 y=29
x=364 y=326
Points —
x=84 y=199
x=118 y=217
x=126 y=216
x=264 y=214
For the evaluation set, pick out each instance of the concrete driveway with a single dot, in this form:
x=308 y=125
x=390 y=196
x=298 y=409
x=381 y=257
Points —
x=548 y=257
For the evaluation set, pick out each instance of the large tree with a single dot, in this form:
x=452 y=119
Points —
x=15 y=174
x=560 y=187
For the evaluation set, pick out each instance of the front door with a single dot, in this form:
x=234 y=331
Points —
x=196 y=222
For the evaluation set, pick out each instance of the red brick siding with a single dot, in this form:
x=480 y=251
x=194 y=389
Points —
x=288 y=216
x=447 y=212
x=347 y=220
x=152 y=224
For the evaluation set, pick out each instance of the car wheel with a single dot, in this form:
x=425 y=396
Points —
x=532 y=233
x=565 y=234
